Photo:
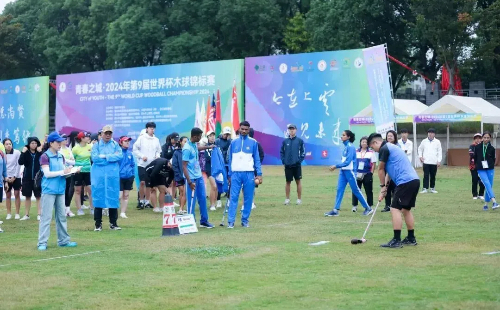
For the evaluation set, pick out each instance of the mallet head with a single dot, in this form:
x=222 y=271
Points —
x=357 y=241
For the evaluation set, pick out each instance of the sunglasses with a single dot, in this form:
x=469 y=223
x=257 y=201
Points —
x=108 y=133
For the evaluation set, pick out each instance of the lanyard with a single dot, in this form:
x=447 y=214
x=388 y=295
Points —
x=485 y=148
x=361 y=152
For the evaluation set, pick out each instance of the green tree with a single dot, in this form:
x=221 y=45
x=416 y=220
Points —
x=448 y=26
x=8 y=46
x=296 y=37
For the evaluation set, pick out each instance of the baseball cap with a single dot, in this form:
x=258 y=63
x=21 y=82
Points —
x=124 y=138
x=210 y=132
x=83 y=134
x=431 y=130
x=291 y=126
x=54 y=136
x=107 y=128
x=175 y=136
x=227 y=130
x=478 y=135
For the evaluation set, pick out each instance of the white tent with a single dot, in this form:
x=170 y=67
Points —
x=402 y=107
x=458 y=104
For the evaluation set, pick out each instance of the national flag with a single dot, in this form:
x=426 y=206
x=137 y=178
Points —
x=197 y=115
x=211 y=117
x=235 y=117
x=218 y=117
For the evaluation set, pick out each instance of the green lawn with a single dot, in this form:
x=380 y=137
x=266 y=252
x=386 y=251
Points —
x=270 y=265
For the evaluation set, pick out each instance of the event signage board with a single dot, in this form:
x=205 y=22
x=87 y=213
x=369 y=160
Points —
x=318 y=92
x=447 y=118
x=176 y=97
x=24 y=109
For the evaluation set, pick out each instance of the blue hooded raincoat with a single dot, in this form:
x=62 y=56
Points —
x=105 y=174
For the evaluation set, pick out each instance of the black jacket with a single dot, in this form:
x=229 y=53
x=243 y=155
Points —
x=159 y=168
x=167 y=151
x=31 y=161
x=261 y=152
x=224 y=147
x=292 y=152
x=490 y=156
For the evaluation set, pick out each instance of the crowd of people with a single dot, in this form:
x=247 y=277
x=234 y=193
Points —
x=97 y=170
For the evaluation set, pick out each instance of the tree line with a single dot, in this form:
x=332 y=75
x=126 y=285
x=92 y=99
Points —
x=49 y=37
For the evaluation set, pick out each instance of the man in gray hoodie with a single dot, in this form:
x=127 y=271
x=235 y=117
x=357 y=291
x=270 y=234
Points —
x=292 y=154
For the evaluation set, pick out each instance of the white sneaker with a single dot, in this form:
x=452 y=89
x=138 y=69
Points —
x=475 y=198
x=80 y=212
x=433 y=191
x=424 y=191
x=253 y=206
x=8 y=217
x=123 y=216
x=1 y=222
x=176 y=204
x=157 y=210
x=354 y=209
x=242 y=207
x=25 y=218
x=212 y=208
x=38 y=218
x=70 y=214
x=17 y=216
x=287 y=202
x=481 y=197
x=299 y=202
x=219 y=204
x=85 y=207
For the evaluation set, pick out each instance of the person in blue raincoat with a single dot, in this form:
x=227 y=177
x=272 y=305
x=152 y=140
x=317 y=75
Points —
x=105 y=178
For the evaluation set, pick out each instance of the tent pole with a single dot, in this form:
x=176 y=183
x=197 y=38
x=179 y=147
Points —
x=482 y=130
x=415 y=146
x=447 y=141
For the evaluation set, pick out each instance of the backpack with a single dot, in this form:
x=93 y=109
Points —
x=39 y=174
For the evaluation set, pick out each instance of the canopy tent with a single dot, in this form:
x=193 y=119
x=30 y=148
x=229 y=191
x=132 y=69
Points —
x=457 y=104
x=401 y=107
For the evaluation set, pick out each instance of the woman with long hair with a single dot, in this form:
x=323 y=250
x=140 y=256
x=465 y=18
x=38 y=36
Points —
x=364 y=176
x=13 y=178
x=347 y=175
x=391 y=137
x=484 y=158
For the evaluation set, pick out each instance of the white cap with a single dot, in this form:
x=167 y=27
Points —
x=227 y=130
x=203 y=142
x=210 y=132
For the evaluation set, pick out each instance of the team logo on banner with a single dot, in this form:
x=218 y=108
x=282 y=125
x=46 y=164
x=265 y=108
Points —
x=324 y=154
x=18 y=89
x=283 y=68
x=62 y=87
x=358 y=63
x=322 y=65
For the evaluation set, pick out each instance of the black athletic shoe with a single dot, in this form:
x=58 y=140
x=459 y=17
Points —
x=393 y=244
x=148 y=206
x=98 y=227
x=408 y=241
x=140 y=206
x=85 y=197
x=387 y=209
x=114 y=227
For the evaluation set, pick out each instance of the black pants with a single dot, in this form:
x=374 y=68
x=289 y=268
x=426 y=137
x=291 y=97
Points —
x=475 y=181
x=68 y=193
x=367 y=183
x=430 y=170
x=390 y=191
x=113 y=216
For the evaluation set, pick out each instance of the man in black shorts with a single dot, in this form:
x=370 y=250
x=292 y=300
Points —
x=292 y=154
x=394 y=165
x=159 y=174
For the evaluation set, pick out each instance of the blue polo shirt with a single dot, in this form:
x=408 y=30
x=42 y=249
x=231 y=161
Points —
x=396 y=164
x=190 y=154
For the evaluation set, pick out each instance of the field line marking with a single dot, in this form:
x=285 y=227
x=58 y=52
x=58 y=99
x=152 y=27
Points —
x=52 y=258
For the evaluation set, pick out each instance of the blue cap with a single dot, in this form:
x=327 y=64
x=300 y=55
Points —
x=54 y=136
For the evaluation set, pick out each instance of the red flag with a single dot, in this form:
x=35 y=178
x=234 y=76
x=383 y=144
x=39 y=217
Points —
x=208 y=116
x=236 y=112
x=218 y=117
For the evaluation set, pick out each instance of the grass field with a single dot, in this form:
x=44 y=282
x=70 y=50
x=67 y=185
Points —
x=270 y=265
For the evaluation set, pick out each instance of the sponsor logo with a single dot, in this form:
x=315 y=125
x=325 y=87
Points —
x=333 y=65
x=324 y=154
x=23 y=88
x=259 y=69
x=322 y=65
x=297 y=68
x=18 y=89
x=309 y=155
x=346 y=63
x=62 y=87
x=358 y=63
x=271 y=68
x=310 y=68
x=37 y=87
x=283 y=68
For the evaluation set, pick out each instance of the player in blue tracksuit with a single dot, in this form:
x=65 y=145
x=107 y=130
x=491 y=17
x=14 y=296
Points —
x=243 y=161
x=348 y=168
